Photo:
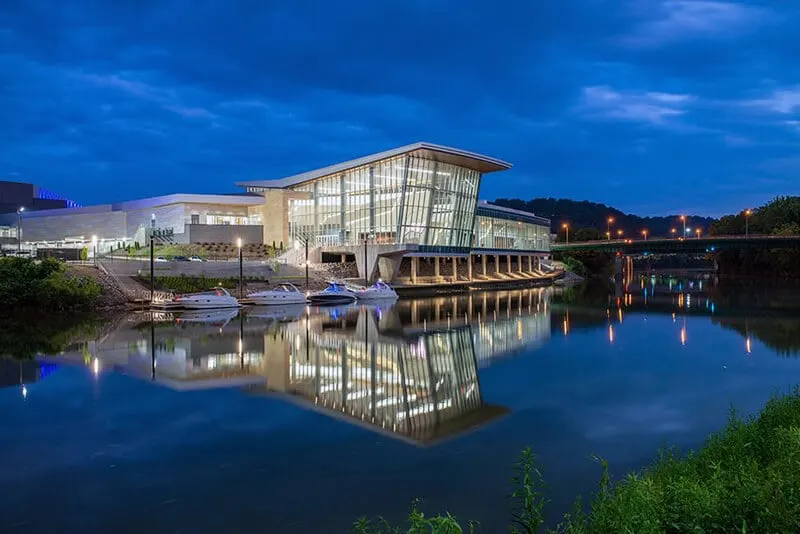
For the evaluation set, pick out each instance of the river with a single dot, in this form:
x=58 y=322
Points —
x=228 y=422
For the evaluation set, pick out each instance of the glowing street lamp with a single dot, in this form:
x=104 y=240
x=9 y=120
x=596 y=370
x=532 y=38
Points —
x=19 y=229
x=241 y=277
x=673 y=231
x=683 y=220
x=619 y=234
x=698 y=232
x=608 y=227
x=565 y=226
x=747 y=214
x=644 y=233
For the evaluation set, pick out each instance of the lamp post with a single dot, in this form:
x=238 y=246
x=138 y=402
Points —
x=673 y=231
x=608 y=227
x=747 y=214
x=698 y=232
x=19 y=230
x=94 y=250
x=683 y=220
x=241 y=277
x=152 y=267
x=366 y=262
x=305 y=243
x=644 y=233
x=565 y=226
x=619 y=234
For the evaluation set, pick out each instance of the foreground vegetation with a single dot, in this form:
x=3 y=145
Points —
x=745 y=479
x=26 y=282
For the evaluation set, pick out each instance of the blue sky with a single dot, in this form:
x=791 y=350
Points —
x=653 y=106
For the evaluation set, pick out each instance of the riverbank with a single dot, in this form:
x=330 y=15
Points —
x=745 y=479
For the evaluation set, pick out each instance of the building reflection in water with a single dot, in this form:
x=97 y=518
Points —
x=408 y=369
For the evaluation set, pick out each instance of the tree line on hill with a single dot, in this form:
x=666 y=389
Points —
x=591 y=219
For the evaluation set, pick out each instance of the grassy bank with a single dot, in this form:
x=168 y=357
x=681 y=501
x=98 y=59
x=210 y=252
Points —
x=44 y=284
x=746 y=478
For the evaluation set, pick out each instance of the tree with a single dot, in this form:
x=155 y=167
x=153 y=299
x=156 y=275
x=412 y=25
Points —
x=84 y=255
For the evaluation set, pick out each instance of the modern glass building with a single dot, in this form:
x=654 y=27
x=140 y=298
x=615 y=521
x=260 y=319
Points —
x=419 y=200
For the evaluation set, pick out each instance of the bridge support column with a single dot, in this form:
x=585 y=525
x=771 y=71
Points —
x=496 y=265
x=530 y=264
x=519 y=264
x=469 y=273
x=483 y=265
x=436 y=267
x=455 y=269
x=343 y=258
x=508 y=259
x=618 y=273
x=414 y=266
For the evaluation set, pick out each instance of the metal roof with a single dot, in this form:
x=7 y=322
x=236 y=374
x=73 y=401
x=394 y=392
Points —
x=470 y=160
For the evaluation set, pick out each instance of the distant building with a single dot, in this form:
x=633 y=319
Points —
x=15 y=195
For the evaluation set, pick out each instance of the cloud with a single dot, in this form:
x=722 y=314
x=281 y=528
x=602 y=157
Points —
x=603 y=102
x=784 y=101
x=665 y=22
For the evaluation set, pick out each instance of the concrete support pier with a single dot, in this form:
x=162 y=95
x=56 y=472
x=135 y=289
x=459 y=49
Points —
x=436 y=272
x=414 y=268
x=455 y=269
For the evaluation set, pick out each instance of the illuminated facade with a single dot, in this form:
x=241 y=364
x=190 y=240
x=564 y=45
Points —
x=416 y=201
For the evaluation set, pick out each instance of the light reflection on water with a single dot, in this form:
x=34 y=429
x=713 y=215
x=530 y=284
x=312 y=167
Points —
x=375 y=405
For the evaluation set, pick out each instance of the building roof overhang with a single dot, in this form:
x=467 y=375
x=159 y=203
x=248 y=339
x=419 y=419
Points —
x=454 y=156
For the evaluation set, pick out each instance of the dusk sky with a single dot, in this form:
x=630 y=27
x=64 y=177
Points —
x=652 y=106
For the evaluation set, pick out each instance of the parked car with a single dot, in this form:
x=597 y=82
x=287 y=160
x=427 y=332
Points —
x=180 y=258
x=196 y=258
x=161 y=259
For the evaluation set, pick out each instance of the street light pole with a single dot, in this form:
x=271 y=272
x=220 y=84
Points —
x=565 y=226
x=241 y=277
x=152 y=267
x=683 y=219
x=94 y=252
x=305 y=242
x=608 y=227
x=747 y=214
x=19 y=230
x=644 y=233
x=366 y=274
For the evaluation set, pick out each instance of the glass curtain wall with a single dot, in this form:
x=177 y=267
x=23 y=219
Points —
x=493 y=232
x=406 y=199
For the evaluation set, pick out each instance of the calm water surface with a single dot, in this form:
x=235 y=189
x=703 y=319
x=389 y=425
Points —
x=303 y=419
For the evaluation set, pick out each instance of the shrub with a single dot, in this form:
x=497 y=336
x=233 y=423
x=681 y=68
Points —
x=45 y=283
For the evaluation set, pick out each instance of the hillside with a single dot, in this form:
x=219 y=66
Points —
x=585 y=214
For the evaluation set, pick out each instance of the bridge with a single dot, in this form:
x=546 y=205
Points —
x=681 y=245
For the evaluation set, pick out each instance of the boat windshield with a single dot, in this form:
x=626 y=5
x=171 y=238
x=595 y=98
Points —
x=334 y=287
x=288 y=288
x=381 y=285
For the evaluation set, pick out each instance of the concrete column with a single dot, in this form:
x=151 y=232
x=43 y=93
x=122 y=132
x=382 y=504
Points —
x=508 y=259
x=483 y=263
x=519 y=264
x=455 y=269
x=414 y=265
x=344 y=258
x=530 y=264
x=436 y=266
x=497 y=264
x=469 y=273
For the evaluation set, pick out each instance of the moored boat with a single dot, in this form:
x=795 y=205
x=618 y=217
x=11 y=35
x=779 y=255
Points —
x=335 y=293
x=378 y=291
x=216 y=298
x=281 y=295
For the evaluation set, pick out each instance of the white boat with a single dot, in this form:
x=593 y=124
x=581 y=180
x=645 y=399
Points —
x=283 y=294
x=216 y=298
x=335 y=293
x=378 y=291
